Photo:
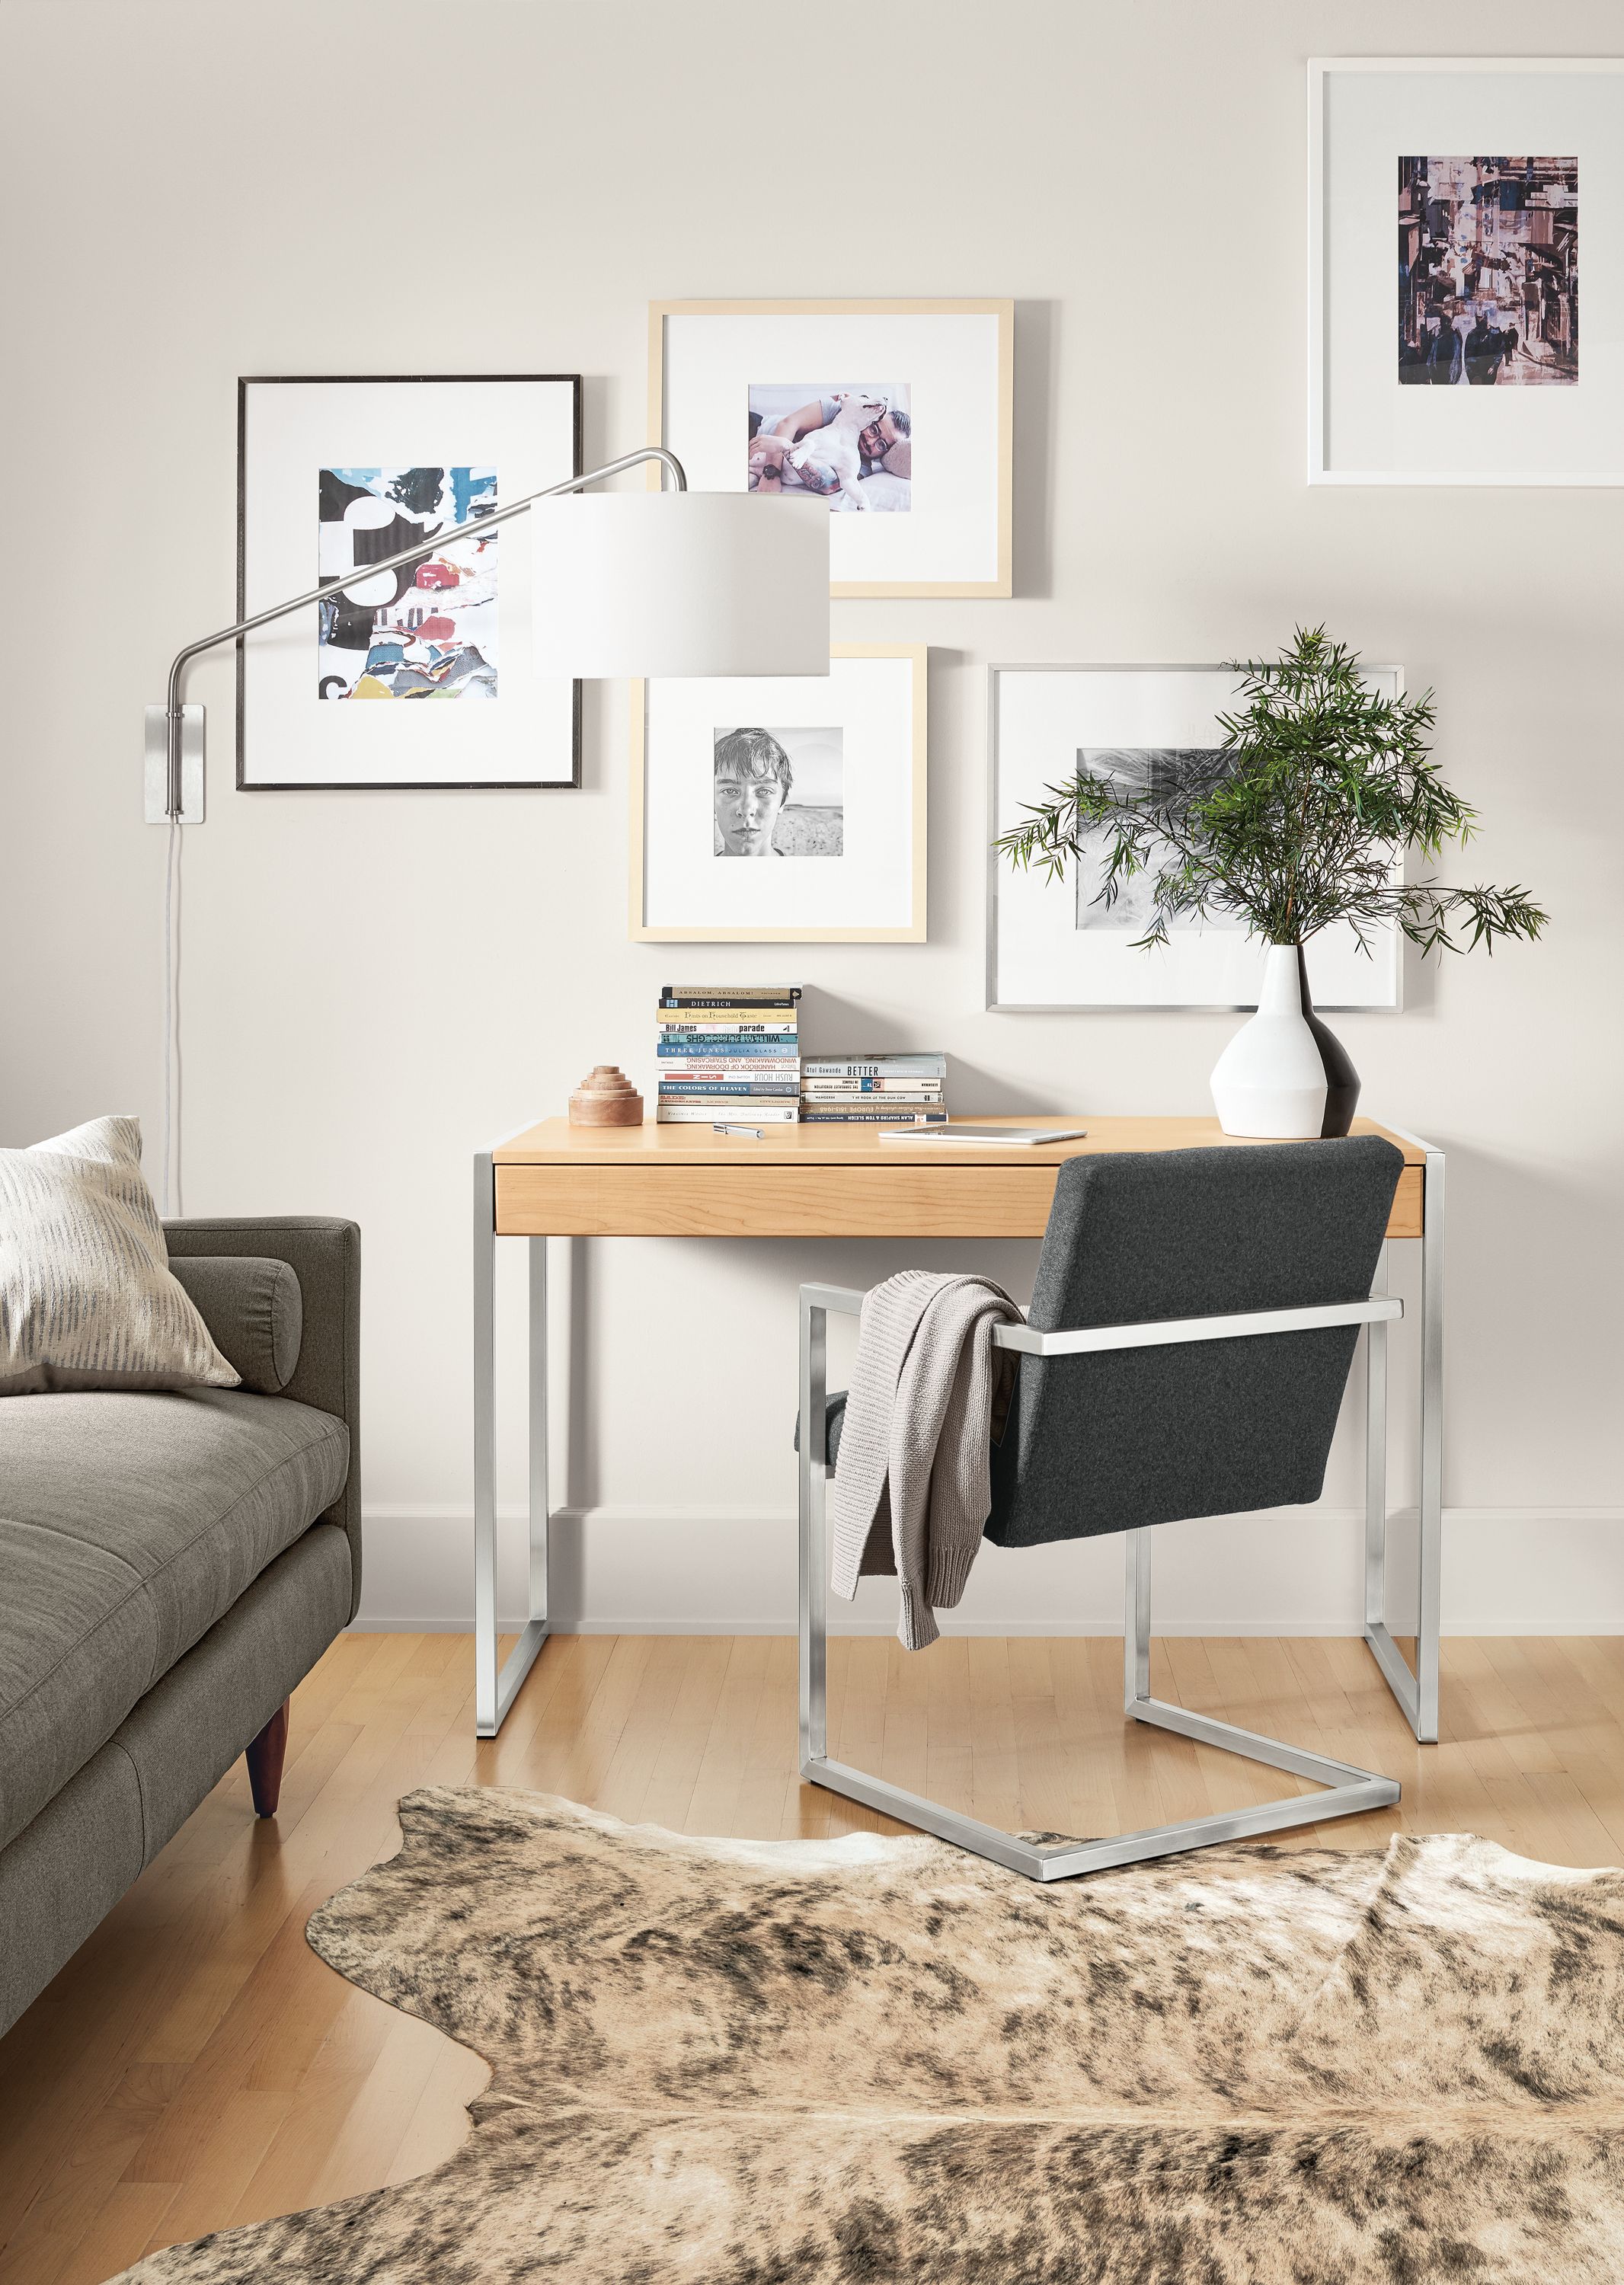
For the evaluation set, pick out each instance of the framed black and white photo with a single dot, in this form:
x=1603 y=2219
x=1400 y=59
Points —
x=899 y=414
x=1054 y=944
x=782 y=810
x=423 y=676
x=1455 y=204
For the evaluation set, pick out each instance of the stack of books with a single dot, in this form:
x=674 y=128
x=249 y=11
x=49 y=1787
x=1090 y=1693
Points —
x=729 y=1051
x=875 y=1090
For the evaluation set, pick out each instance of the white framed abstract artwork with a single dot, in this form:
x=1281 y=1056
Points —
x=422 y=675
x=899 y=414
x=1455 y=204
x=782 y=810
x=1055 y=944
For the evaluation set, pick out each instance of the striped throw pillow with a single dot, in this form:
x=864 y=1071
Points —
x=86 y=1300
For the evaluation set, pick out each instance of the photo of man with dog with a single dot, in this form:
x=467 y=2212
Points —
x=852 y=445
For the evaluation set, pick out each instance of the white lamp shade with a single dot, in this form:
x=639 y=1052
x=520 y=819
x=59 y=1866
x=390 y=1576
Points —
x=681 y=584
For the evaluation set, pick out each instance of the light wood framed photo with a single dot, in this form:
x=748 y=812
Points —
x=1453 y=202
x=1050 y=945
x=823 y=783
x=899 y=414
x=422 y=678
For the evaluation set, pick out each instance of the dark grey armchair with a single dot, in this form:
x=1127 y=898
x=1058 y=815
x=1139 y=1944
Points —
x=1192 y=1327
x=175 y=1564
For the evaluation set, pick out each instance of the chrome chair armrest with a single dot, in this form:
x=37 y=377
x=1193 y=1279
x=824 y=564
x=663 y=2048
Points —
x=1379 y=1309
x=847 y=1300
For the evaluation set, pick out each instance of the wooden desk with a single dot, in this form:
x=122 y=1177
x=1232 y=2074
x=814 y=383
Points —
x=555 y=1180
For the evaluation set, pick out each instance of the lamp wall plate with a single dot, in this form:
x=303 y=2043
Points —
x=191 y=766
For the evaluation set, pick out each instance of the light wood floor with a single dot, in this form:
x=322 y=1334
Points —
x=197 y=2066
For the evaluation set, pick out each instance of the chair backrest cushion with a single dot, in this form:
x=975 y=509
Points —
x=1113 y=1441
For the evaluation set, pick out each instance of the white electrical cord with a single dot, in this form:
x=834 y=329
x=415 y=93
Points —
x=172 y=1021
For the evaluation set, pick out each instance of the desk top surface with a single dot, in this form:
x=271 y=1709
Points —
x=555 y=1142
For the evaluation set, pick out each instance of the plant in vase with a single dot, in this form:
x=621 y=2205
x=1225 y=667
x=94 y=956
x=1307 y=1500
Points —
x=1301 y=818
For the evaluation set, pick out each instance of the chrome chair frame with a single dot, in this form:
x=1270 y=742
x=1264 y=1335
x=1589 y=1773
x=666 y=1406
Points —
x=1349 y=1790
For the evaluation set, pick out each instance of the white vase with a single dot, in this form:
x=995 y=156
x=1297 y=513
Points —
x=1270 y=1079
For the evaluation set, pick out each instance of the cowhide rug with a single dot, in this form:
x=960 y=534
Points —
x=865 y=2059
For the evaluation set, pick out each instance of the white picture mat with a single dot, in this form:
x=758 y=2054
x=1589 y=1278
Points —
x=952 y=366
x=1366 y=427
x=292 y=430
x=1037 y=956
x=686 y=888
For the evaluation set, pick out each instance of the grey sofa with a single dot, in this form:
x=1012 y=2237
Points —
x=171 y=1565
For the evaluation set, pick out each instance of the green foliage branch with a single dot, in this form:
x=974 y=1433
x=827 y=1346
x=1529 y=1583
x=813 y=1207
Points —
x=1292 y=823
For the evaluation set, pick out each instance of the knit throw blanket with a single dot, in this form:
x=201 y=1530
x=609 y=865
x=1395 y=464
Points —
x=914 y=1486
x=824 y=2062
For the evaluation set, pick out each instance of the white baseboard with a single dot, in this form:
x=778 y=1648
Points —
x=730 y=1570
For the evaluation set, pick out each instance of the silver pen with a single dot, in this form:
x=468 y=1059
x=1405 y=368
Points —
x=751 y=1134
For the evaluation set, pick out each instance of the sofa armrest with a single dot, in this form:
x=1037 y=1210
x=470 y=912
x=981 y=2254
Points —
x=325 y=1255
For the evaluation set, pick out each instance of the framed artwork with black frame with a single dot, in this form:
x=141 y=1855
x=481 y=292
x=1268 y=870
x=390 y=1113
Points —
x=423 y=677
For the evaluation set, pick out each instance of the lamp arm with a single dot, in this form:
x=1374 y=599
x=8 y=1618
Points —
x=670 y=464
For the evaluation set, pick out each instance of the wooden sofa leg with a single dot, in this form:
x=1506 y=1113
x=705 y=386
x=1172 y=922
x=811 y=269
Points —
x=265 y=1755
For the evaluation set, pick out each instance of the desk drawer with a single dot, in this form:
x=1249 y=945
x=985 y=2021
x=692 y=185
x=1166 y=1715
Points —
x=744 y=1201
x=740 y=1200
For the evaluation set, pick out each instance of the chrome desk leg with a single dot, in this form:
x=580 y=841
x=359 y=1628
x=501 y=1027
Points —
x=1350 y=1791
x=494 y=1692
x=814 y=1582
x=1417 y=1692
x=484 y=1447
x=1376 y=1460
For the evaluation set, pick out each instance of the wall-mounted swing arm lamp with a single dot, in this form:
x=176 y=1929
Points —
x=655 y=582
x=666 y=582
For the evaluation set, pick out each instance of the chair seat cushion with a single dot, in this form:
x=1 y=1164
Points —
x=130 y=1522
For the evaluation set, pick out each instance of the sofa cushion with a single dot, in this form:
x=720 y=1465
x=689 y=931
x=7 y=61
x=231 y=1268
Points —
x=254 y=1311
x=129 y=1523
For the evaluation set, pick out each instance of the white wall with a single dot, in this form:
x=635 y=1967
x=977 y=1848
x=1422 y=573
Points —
x=376 y=983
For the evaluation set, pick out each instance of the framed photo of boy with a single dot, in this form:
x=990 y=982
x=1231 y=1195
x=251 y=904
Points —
x=421 y=678
x=782 y=810
x=899 y=414
x=1455 y=203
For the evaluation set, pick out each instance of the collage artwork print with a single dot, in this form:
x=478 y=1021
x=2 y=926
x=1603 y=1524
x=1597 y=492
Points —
x=851 y=443
x=1488 y=272
x=428 y=628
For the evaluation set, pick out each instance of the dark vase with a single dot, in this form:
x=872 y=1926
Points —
x=1341 y=1079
